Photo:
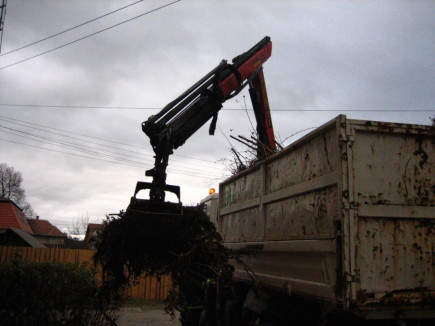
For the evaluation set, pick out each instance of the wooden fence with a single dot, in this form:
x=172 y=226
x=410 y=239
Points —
x=147 y=287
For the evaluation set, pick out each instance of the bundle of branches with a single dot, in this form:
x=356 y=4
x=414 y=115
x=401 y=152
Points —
x=255 y=152
x=187 y=247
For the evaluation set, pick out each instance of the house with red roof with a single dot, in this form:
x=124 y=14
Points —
x=12 y=216
x=47 y=233
x=17 y=230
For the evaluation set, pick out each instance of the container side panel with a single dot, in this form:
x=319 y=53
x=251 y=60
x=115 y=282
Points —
x=308 y=214
x=394 y=201
x=398 y=255
x=247 y=187
x=296 y=267
x=284 y=210
x=310 y=160
x=394 y=169
x=243 y=226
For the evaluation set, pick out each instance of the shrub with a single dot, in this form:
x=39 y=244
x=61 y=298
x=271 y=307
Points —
x=187 y=247
x=54 y=294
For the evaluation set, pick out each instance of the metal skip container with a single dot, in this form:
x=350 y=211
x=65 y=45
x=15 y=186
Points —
x=345 y=215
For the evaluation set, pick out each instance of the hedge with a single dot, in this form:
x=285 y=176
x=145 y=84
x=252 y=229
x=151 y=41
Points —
x=35 y=293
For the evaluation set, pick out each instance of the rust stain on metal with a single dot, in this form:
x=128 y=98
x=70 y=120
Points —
x=421 y=152
x=400 y=297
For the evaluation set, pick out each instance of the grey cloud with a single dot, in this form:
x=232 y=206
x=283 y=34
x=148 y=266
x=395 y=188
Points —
x=335 y=55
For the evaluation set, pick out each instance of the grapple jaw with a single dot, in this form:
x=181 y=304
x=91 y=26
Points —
x=156 y=204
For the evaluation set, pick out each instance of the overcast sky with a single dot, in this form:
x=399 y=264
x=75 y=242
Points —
x=372 y=60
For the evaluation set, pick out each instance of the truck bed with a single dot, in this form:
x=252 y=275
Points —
x=344 y=215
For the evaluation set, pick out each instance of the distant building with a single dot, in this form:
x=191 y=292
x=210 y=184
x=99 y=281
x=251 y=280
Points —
x=91 y=234
x=17 y=230
x=47 y=233
x=12 y=216
x=18 y=238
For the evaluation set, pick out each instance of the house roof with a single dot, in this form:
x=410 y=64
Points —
x=45 y=228
x=92 y=229
x=20 y=234
x=12 y=216
x=95 y=226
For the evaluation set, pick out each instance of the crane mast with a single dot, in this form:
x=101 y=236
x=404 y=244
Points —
x=182 y=117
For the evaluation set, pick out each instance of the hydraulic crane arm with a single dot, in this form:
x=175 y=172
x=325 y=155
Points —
x=182 y=117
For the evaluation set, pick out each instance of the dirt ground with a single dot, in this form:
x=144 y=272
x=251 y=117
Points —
x=153 y=315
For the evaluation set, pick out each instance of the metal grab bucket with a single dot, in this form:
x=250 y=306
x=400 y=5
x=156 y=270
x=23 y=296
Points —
x=147 y=207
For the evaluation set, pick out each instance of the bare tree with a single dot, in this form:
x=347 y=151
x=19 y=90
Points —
x=10 y=183
x=10 y=188
x=79 y=225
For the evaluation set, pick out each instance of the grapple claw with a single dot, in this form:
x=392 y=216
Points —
x=153 y=206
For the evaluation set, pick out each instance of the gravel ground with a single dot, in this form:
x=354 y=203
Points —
x=147 y=315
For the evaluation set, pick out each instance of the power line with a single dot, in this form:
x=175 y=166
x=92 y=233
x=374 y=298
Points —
x=88 y=142
x=69 y=133
x=50 y=142
x=85 y=149
x=79 y=106
x=223 y=109
x=89 y=35
x=133 y=164
x=70 y=29
x=63 y=152
x=65 y=144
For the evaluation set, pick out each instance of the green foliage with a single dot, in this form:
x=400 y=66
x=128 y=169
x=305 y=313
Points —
x=54 y=294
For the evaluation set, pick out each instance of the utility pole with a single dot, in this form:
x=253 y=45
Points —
x=2 y=20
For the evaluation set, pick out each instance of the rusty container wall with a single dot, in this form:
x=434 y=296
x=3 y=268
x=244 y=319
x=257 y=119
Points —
x=344 y=215
x=389 y=215
x=284 y=210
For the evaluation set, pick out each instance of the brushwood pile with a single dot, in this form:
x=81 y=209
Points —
x=187 y=247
